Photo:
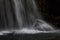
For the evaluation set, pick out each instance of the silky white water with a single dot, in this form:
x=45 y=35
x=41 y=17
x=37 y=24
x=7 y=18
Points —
x=28 y=18
x=30 y=10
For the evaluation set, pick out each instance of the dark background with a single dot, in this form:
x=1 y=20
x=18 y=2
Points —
x=51 y=11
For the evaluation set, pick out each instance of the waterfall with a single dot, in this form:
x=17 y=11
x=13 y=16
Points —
x=27 y=14
x=27 y=18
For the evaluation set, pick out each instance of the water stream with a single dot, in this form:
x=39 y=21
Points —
x=27 y=17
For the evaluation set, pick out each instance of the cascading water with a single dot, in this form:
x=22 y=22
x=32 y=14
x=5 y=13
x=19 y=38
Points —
x=27 y=17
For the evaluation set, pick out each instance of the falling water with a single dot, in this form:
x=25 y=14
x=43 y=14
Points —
x=27 y=17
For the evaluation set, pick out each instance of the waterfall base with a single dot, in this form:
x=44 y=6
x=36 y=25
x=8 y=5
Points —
x=27 y=31
x=42 y=35
x=39 y=26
